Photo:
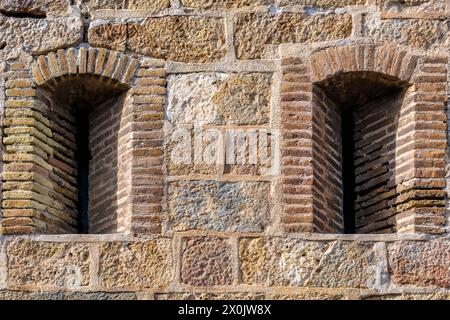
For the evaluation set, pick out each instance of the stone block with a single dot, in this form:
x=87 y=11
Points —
x=61 y=295
x=420 y=263
x=254 y=31
x=137 y=265
x=219 y=206
x=416 y=33
x=203 y=38
x=206 y=261
x=38 y=265
x=35 y=8
x=219 y=98
x=223 y=4
x=294 y=262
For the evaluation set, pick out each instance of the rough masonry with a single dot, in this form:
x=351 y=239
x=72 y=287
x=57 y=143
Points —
x=224 y=149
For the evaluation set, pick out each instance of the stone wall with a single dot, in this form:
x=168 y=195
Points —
x=218 y=138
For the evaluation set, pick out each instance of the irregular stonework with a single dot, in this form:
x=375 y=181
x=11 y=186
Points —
x=416 y=5
x=411 y=296
x=115 y=33
x=180 y=146
x=218 y=98
x=47 y=265
x=144 y=5
x=219 y=206
x=420 y=263
x=323 y=3
x=223 y=4
x=61 y=295
x=307 y=296
x=416 y=33
x=256 y=30
x=35 y=8
x=3 y=266
x=203 y=38
x=206 y=261
x=209 y=296
x=136 y=265
x=38 y=36
x=290 y=262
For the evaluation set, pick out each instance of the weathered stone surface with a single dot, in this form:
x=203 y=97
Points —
x=61 y=295
x=115 y=33
x=180 y=148
x=206 y=261
x=35 y=8
x=307 y=296
x=409 y=296
x=323 y=3
x=410 y=32
x=47 y=265
x=223 y=4
x=420 y=263
x=177 y=38
x=144 y=5
x=407 y=5
x=37 y=36
x=146 y=264
x=293 y=262
x=218 y=98
x=256 y=30
x=219 y=206
x=3 y=266
x=209 y=296
x=203 y=39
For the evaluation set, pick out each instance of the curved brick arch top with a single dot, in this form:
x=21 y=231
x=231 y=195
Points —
x=385 y=59
x=101 y=62
x=393 y=104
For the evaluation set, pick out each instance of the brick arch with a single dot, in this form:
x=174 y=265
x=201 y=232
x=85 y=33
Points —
x=101 y=62
x=421 y=179
x=388 y=60
x=33 y=191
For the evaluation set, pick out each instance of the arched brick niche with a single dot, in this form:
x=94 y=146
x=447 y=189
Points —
x=83 y=136
x=363 y=141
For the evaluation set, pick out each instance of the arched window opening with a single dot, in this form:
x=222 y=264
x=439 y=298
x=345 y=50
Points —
x=84 y=114
x=356 y=120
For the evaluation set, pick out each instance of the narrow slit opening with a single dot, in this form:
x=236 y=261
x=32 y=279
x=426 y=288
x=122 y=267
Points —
x=83 y=156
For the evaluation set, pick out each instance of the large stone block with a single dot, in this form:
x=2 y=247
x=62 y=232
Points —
x=254 y=31
x=416 y=33
x=420 y=263
x=144 y=5
x=323 y=3
x=218 y=98
x=219 y=206
x=409 y=296
x=294 y=262
x=136 y=265
x=415 y=5
x=35 y=8
x=177 y=38
x=61 y=295
x=209 y=296
x=206 y=261
x=3 y=266
x=38 y=36
x=42 y=265
x=223 y=4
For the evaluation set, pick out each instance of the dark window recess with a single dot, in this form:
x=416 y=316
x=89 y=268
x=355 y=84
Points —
x=24 y=15
x=83 y=156
x=348 y=170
